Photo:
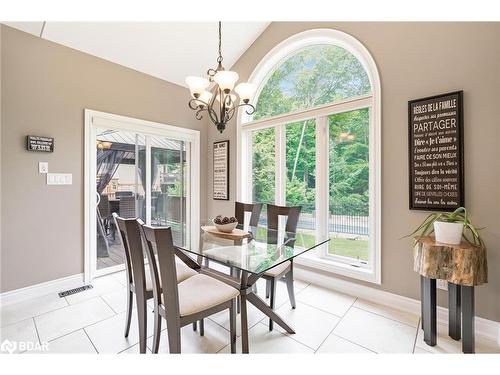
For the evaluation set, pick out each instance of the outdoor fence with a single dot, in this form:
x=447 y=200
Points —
x=341 y=221
x=347 y=223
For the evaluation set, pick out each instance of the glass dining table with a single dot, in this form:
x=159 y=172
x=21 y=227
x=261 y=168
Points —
x=249 y=252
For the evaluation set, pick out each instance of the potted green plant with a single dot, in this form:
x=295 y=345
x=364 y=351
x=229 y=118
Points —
x=450 y=228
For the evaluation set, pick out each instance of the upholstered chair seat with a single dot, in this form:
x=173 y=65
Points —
x=279 y=269
x=202 y=292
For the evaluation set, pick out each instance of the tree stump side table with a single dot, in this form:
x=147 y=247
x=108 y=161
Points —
x=463 y=266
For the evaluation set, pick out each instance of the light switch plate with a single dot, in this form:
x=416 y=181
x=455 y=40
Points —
x=43 y=167
x=59 y=178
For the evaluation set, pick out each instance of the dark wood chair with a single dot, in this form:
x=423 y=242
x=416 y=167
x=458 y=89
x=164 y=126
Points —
x=187 y=302
x=127 y=207
x=239 y=213
x=139 y=282
x=284 y=269
x=104 y=211
x=240 y=209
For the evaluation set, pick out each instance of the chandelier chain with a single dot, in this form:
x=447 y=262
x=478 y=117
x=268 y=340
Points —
x=219 y=59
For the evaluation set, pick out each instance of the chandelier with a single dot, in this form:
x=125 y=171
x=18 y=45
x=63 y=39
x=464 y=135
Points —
x=215 y=96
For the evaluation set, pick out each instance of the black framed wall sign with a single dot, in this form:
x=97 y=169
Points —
x=37 y=143
x=221 y=170
x=436 y=149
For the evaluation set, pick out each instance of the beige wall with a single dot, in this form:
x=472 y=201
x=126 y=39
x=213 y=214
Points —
x=45 y=88
x=416 y=60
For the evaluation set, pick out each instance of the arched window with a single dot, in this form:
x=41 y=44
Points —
x=314 y=75
x=314 y=141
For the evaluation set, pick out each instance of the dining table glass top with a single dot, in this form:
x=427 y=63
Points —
x=252 y=249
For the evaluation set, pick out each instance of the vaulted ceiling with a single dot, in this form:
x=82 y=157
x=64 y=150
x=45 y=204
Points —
x=166 y=50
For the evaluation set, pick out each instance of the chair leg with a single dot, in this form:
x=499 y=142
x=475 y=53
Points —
x=174 y=339
x=130 y=303
x=141 y=315
x=232 y=325
x=194 y=326
x=202 y=327
x=273 y=282
x=157 y=332
x=289 y=286
x=268 y=288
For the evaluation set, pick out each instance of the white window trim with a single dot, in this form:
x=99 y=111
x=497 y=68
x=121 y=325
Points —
x=373 y=101
x=95 y=119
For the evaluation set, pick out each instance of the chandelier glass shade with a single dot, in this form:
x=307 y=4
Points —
x=217 y=95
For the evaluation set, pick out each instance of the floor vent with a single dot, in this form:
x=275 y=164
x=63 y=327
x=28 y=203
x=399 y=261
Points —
x=74 y=291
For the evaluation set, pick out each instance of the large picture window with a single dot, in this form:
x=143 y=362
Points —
x=314 y=141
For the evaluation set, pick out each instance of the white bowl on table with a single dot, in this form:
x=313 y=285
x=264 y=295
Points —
x=226 y=228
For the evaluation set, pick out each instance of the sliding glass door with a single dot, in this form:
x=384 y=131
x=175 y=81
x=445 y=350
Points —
x=118 y=189
x=137 y=173
x=168 y=186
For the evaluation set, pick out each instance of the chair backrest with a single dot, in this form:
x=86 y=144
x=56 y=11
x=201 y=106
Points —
x=166 y=277
x=103 y=206
x=292 y=214
x=240 y=209
x=132 y=245
x=127 y=207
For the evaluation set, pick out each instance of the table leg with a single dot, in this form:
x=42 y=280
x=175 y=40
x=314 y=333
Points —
x=246 y=294
x=262 y=306
x=468 y=344
x=430 y=311
x=243 y=313
x=454 y=311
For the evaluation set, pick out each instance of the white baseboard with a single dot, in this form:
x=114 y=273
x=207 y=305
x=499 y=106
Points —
x=54 y=286
x=488 y=329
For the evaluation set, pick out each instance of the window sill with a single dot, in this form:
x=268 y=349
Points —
x=359 y=273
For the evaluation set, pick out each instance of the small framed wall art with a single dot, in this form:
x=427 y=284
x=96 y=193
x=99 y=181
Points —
x=221 y=170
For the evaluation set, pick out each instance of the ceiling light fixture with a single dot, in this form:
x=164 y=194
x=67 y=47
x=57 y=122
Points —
x=103 y=145
x=207 y=93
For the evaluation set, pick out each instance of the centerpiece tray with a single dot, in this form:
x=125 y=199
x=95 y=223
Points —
x=236 y=234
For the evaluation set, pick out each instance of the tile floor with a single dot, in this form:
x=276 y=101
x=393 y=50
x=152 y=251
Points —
x=325 y=322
